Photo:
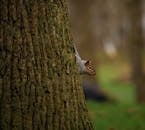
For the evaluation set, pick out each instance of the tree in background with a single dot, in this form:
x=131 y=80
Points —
x=39 y=82
x=136 y=46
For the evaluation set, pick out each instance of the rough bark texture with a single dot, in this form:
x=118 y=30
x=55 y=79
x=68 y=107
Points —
x=136 y=47
x=39 y=82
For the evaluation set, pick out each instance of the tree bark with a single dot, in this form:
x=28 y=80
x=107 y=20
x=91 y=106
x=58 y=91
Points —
x=39 y=81
x=136 y=46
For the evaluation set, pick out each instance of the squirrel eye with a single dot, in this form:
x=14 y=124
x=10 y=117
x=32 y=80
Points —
x=87 y=63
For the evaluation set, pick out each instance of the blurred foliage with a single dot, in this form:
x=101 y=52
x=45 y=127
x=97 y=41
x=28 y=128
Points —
x=114 y=78
x=117 y=116
x=125 y=113
x=110 y=27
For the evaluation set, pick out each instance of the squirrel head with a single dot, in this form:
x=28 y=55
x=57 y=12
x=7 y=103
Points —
x=90 y=70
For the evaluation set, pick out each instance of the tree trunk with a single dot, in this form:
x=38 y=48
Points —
x=39 y=83
x=136 y=47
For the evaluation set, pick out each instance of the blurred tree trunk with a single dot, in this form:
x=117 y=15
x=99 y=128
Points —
x=136 y=47
x=39 y=84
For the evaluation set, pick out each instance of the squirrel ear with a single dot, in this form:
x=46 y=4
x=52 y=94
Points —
x=87 y=62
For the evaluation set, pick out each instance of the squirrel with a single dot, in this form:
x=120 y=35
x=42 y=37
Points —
x=85 y=66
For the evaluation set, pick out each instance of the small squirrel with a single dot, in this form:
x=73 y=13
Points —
x=85 y=66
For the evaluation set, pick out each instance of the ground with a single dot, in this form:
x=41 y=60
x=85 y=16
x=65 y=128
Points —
x=124 y=113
